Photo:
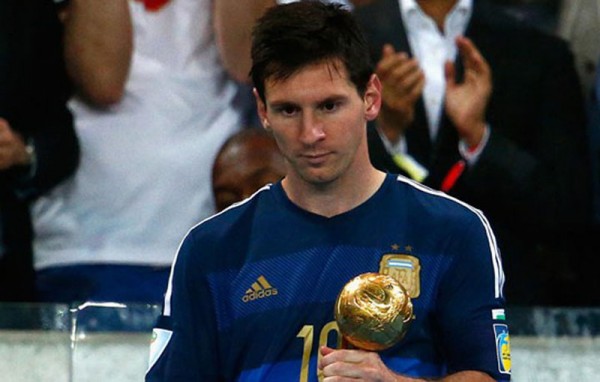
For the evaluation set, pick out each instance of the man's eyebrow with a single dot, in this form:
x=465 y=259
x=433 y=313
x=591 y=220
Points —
x=328 y=99
x=282 y=103
x=333 y=98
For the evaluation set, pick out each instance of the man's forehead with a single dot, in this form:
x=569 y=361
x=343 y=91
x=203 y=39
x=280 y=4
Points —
x=334 y=67
x=323 y=73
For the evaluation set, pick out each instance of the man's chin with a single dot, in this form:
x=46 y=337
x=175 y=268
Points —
x=318 y=178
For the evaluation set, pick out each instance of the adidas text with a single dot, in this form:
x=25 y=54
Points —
x=260 y=294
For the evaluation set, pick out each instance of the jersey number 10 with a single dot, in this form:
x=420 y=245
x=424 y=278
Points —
x=307 y=334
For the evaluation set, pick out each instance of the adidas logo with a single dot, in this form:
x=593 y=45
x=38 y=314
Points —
x=260 y=289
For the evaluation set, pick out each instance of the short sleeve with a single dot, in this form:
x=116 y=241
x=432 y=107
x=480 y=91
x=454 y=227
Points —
x=471 y=304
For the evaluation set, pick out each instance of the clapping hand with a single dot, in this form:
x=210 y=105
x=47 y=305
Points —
x=466 y=101
x=403 y=82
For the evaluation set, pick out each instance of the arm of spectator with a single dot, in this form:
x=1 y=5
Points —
x=233 y=23
x=98 y=45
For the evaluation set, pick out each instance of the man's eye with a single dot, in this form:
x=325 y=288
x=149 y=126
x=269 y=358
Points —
x=330 y=106
x=287 y=110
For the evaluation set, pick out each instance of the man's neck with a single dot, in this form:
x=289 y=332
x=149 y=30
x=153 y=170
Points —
x=437 y=10
x=335 y=198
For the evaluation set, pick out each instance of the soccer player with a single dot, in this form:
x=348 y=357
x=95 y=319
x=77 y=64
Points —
x=252 y=289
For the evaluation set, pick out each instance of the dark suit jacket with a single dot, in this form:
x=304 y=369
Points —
x=532 y=180
x=33 y=94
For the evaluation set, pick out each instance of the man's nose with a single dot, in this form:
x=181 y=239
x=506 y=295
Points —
x=312 y=129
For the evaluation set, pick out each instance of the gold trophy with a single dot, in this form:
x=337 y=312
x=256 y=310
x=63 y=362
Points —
x=373 y=311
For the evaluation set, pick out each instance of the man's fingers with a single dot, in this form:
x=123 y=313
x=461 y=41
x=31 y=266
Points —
x=413 y=80
x=450 y=74
x=4 y=127
x=342 y=369
x=405 y=74
x=347 y=364
x=388 y=64
x=387 y=50
x=331 y=356
x=405 y=84
x=326 y=350
x=408 y=90
x=417 y=90
x=340 y=363
x=472 y=58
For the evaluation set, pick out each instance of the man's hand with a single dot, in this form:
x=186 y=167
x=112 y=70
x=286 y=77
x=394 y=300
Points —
x=359 y=365
x=466 y=102
x=354 y=365
x=12 y=147
x=403 y=82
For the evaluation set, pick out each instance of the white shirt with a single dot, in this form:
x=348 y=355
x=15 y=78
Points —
x=346 y=3
x=145 y=172
x=432 y=48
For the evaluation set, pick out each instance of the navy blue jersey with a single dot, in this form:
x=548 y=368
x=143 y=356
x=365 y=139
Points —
x=252 y=289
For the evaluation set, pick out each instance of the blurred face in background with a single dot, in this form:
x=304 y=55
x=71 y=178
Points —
x=245 y=164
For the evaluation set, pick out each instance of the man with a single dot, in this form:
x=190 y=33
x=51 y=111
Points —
x=155 y=101
x=510 y=140
x=247 y=161
x=252 y=289
x=38 y=146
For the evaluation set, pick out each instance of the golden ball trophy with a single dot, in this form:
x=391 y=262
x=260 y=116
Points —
x=373 y=312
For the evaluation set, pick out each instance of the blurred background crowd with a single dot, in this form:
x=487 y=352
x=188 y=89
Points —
x=125 y=122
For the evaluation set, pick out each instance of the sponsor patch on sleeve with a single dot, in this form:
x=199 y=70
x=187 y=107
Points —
x=502 y=348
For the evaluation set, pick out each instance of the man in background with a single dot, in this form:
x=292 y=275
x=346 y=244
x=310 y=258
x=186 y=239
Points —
x=502 y=129
x=38 y=146
x=156 y=97
x=247 y=161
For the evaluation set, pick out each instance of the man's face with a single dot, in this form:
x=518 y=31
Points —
x=244 y=167
x=318 y=120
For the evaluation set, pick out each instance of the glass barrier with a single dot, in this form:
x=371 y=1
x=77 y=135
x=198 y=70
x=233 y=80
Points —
x=84 y=343
x=110 y=342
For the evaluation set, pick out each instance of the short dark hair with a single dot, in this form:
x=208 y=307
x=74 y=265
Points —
x=290 y=37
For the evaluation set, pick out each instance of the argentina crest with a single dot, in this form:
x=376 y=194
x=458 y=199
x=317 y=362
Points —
x=405 y=269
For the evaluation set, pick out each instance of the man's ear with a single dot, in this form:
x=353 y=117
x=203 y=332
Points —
x=372 y=98
x=261 y=109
